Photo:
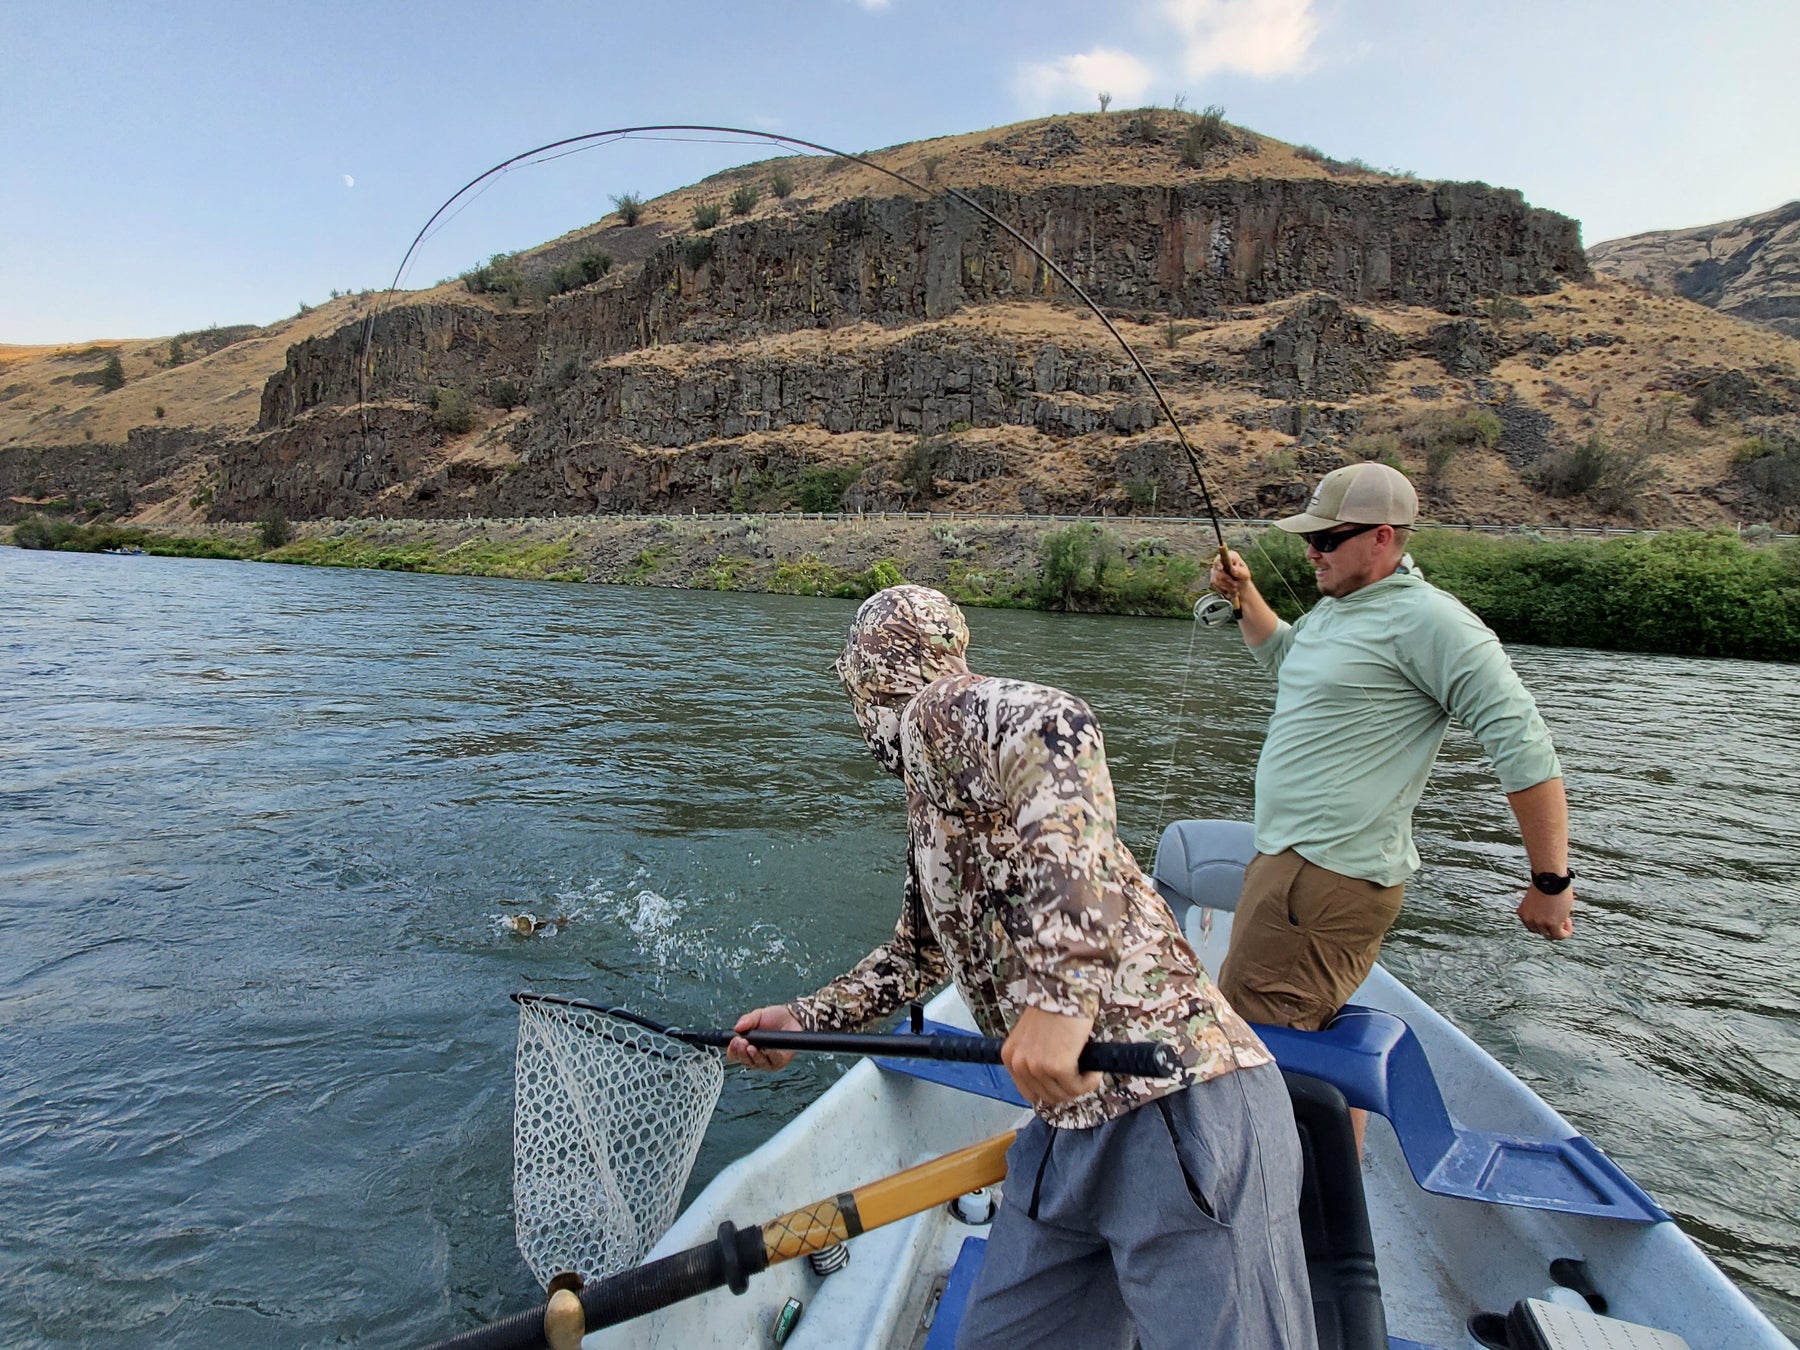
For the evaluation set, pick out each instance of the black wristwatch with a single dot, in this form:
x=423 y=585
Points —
x=1553 y=883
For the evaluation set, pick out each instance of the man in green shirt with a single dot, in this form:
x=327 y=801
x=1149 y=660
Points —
x=1366 y=683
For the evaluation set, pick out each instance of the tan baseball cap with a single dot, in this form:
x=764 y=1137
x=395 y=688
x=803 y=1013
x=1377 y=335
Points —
x=1357 y=494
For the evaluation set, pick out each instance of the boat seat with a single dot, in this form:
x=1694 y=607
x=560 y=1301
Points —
x=1376 y=1061
x=1202 y=862
x=1334 y=1225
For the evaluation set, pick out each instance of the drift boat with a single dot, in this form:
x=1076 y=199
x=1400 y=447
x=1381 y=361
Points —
x=1477 y=1217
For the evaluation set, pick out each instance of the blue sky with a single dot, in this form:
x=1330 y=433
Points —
x=173 y=165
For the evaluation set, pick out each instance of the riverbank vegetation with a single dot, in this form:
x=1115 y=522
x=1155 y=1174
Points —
x=270 y=542
x=1701 y=593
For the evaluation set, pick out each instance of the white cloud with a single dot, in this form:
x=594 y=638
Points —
x=1075 y=81
x=1259 y=38
x=873 y=4
x=349 y=181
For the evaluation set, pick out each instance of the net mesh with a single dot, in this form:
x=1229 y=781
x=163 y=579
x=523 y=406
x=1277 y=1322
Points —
x=607 y=1119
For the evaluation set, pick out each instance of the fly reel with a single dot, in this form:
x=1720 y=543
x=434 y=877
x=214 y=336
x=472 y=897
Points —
x=1212 y=610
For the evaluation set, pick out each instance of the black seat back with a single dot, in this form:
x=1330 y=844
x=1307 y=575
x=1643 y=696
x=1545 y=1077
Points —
x=1334 y=1221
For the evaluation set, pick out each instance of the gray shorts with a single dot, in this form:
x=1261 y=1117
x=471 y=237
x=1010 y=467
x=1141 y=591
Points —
x=1177 y=1223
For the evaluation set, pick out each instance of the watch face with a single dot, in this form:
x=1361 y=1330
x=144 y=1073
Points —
x=1551 y=883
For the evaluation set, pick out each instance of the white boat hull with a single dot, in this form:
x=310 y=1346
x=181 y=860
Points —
x=1439 y=1259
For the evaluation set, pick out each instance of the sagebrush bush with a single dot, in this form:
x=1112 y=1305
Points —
x=706 y=215
x=1613 y=480
x=453 y=412
x=744 y=200
x=1206 y=131
x=696 y=253
x=918 y=470
x=630 y=207
x=781 y=183
x=584 y=271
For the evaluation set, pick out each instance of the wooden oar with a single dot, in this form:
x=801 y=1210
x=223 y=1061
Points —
x=737 y=1254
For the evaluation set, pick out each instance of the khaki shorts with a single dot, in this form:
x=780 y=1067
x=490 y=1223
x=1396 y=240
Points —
x=1302 y=940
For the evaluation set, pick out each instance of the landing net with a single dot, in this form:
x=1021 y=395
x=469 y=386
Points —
x=607 y=1119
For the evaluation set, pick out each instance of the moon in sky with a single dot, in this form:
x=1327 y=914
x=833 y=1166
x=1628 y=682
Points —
x=349 y=181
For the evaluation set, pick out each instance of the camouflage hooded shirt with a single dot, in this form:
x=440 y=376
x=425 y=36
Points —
x=1017 y=886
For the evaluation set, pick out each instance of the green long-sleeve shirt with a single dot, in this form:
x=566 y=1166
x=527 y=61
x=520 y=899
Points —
x=1365 y=686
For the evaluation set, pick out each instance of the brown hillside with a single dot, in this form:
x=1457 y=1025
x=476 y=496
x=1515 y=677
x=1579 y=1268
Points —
x=1298 y=313
x=1748 y=268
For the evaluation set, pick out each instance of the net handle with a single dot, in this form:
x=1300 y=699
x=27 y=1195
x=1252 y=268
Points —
x=1136 y=1059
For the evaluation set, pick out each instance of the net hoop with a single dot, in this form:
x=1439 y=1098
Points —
x=608 y=1117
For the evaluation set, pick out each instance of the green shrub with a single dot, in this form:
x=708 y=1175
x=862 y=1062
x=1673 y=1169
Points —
x=501 y=274
x=781 y=183
x=822 y=489
x=645 y=564
x=40 y=532
x=505 y=394
x=176 y=355
x=453 y=411
x=729 y=572
x=1612 y=480
x=1770 y=464
x=744 y=200
x=706 y=215
x=918 y=470
x=1689 y=592
x=1144 y=127
x=811 y=575
x=584 y=271
x=160 y=412
x=1380 y=447
x=696 y=253
x=272 y=526
x=630 y=207
x=1141 y=493
x=969 y=584
x=1280 y=570
x=1086 y=567
x=1206 y=131
x=1505 y=309
x=112 y=374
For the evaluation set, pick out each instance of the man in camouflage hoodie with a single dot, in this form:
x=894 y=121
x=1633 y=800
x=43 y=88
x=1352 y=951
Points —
x=1161 y=1207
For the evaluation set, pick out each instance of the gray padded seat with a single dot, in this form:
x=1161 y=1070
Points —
x=1201 y=862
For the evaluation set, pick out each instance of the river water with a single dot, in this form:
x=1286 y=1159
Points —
x=262 y=828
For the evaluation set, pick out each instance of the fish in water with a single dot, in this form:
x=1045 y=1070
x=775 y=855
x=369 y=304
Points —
x=529 y=925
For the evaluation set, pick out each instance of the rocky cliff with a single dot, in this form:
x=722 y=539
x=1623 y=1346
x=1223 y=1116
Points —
x=1749 y=268
x=838 y=342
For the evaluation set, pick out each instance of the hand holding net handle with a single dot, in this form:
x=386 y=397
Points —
x=1137 y=1059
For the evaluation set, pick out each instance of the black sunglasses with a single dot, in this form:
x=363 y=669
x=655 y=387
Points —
x=1325 y=541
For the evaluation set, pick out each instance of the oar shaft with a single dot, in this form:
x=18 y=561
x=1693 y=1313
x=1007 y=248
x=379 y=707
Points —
x=737 y=1254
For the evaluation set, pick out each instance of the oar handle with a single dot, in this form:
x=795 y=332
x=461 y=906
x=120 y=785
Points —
x=738 y=1253
x=1137 y=1059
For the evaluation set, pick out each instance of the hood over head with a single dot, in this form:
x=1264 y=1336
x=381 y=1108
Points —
x=901 y=640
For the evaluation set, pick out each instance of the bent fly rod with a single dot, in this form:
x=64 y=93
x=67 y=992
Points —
x=1207 y=613
x=1137 y=1059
